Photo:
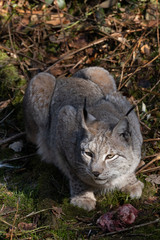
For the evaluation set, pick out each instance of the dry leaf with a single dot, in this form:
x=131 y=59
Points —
x=56 y=70
x=145 y=49
x=4 y=104
x=153 y=178
x=120 y=38
x=22 y=23
x=34 y=18
x=57 y=211
x=57 y=19
x=151 y=200
x=107 y=3
x=149 y=24
x=27 y=226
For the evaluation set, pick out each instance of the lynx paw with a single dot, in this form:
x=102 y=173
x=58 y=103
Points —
x=84 y=202
x=135 y=190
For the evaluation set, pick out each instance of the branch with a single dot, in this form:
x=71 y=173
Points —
x=7 y=140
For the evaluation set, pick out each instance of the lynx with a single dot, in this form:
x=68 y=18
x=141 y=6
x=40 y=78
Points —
x=84 y=126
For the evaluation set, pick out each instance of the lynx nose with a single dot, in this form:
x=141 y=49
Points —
x=96 y=173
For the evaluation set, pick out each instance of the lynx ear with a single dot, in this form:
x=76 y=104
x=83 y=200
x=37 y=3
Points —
x=122 y=129
x=87 y=117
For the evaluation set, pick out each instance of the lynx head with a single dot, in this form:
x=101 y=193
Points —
x=104 y=150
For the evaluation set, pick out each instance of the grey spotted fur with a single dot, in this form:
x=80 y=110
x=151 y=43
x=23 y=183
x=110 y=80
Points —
x=96 y=146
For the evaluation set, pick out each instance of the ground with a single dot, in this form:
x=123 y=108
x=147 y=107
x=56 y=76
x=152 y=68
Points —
x=45 y=36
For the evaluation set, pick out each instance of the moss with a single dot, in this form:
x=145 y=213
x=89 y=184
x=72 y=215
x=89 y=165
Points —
x=72 y=211
x=10 y=198
x=64 y=233
x=16 y=204
x=10 y=80
x=112 y=199
x=6 y=153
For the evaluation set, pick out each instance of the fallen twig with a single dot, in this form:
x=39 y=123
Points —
x=3 y=221
x=6 y=116
x=149 y=113
x=157 y=23
x=151 y=156
x=151 y=169
x=18 y=158
x=148 y=128
x=148 y=164
x=15 y=52
x=130 y=228
x=137 y=70
x=14 y=220
x=6 y=213
x=83 y=48
x=125 y=63
x=148 y=93
x=7 y=140
x=4 y=104
x=21 y=54
x=77 y=51
x=153 y=92
x=36 y=229
x=151 y=140
x=35 y=213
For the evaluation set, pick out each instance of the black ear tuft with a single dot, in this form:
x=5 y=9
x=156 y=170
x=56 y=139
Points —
x=85 y=114
x=130 y=110
x=86 y=117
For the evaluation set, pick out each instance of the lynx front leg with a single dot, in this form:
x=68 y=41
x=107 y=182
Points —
x=81 y=196
x=134 y=187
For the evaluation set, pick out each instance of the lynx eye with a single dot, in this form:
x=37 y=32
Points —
x=111 y=157
x=88 y=154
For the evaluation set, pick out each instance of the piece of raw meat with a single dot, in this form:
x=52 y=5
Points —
x=118 y=219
